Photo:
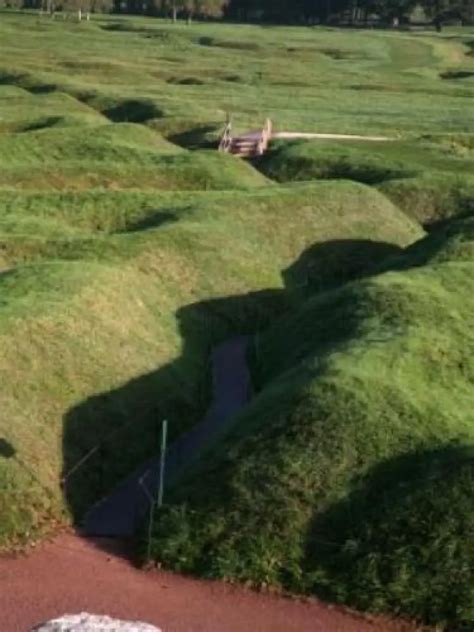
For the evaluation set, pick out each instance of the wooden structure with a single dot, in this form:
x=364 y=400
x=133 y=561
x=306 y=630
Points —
x=248 y=145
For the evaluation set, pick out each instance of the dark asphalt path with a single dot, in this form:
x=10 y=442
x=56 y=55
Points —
x=121 y=513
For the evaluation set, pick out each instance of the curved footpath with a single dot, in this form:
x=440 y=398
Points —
x=71 y=575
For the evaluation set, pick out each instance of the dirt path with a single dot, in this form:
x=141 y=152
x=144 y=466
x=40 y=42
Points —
x=121 y=513
x=304 y=135
x=70 y=575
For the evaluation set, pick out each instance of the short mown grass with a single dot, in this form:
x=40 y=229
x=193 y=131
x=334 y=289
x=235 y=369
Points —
x=349 y=474
x=119 y=299
x=129 y=248
x=431 y=178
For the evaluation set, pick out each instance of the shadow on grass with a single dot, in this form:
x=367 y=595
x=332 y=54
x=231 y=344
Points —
x=186 y=81
x=401 y=539
x=132 y=111
x=27 y=82
x=457 y=74
x=202 y=137
x=10 y=78
x=108 y=435
x=234 y=45
x=42 y=123
x=327 y=265
x=41 y=88
x=288 y=162
x=7 y=451
x=454 y=234
x=120 y=110
x=153 y=220
x=118 y=430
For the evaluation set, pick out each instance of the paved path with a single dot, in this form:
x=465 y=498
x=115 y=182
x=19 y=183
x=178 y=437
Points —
x=71 y=575
x=290 y=135
x=121 y=513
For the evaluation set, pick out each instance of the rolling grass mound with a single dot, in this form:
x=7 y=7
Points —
x=110 y=304
x=204 y=171
x=68 y=223
x=308 y=160
x=328 y=482
x=411 y=531
x=432 y=199
x=122 y=142
x=23 y=111
x=431 y=178
x=122 y=156
x=371 y=163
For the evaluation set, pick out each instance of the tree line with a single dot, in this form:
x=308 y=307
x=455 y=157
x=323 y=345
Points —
x=356 y=12
x=350 y=11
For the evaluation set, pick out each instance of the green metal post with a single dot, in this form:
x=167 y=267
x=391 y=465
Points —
x=161 y=481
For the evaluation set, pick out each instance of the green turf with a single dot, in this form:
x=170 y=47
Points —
x=129 y=246
x=346 y=81
x=329 y=481
x=105 y=295
x=431 y=178
x=122 y=156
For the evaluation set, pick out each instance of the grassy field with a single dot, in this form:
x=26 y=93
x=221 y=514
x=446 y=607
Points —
x=185 y=78
x=129 y=247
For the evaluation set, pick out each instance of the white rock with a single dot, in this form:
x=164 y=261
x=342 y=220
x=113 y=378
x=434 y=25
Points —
x=93 y=623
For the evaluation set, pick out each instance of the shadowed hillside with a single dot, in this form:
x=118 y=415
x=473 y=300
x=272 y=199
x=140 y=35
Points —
x=92 y=305
x=375 y=376
x=430 y=178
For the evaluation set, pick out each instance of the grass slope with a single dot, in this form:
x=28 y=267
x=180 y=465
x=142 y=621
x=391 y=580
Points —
x=84 y=312
x=329 y=482
x=122 y=156
x=431 y=177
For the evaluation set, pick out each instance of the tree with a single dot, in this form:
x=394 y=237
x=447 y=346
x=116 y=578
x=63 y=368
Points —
x=168 y=6
x=11 y=4
x=209 y=8
x=101 y=6
x=87 y=7
x=448 y=9
x=191 y=8
x=391 y=9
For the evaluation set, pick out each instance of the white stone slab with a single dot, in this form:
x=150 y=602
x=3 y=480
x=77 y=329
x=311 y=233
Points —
x=85 y=622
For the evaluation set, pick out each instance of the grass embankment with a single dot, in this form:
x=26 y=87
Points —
x=138 y=285
x=349 y=475
x=122 y=156
x=431 y=178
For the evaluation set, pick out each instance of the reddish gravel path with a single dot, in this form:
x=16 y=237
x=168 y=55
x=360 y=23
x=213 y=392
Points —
x=70 y=575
